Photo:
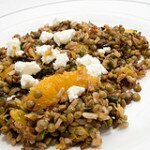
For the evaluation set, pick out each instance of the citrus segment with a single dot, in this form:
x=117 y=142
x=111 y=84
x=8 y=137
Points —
x=51 y=86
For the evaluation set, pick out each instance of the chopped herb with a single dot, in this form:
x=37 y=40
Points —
x=55 y=134
x=113 y=39
x=73 y=65
x=112 y=99
x=43 y=134
x=135 y=31
x=110 y=65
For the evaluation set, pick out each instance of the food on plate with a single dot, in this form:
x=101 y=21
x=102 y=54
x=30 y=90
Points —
x=65 y=83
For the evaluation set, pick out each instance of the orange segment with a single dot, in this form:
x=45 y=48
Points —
x=50 y=86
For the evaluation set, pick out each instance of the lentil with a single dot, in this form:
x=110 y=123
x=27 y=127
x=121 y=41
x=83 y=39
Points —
x=51 y=128
x=123 y=103
x=137 y=88
x=102 y=94
x=136 y=97
x=6 y=89
x=37 y=94
x=30 y=104
x=2 y=84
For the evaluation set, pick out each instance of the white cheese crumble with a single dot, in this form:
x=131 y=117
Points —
x=13 y=48
x=41 y=50
x=27 y=81
x=61 y=61
x=46 y=57
x=92 y=64
x=45 y=36
x=49 y=58
x=74 y=92
x=104 y=50
x=61 y=58
x=87 y=60
x=27 y=67
x=96 y=70
x=63 y=37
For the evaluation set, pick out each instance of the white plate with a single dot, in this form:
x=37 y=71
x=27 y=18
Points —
x=134 y=15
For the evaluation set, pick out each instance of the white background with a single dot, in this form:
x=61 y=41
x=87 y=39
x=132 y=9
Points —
x=9 y=6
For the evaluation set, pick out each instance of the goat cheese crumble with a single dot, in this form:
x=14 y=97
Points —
x=30 y=68
x=45 y=36
x=74 y=92
x=27 y=81
x=63 y=37
x=49 y=58
x=92 y=64
x=41 y=50
x=13 y=48
x=47 y=52
x=61 y=60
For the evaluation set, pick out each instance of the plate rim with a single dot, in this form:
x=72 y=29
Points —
x=68 y=1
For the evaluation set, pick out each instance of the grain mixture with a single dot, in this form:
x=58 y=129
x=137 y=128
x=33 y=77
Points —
x=63 y=84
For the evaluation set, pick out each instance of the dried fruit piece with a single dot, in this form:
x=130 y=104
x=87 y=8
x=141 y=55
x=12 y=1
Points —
x=18 y=116
x=130 y=31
